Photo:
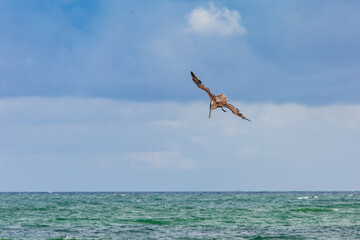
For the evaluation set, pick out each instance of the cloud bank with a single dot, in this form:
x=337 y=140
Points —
x=164 y=160
x=74 y=144
x=215 y=21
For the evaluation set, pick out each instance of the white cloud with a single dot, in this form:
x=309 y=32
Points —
x=246 y=152
x=164 y=160
x=168 y=123
x=215 y=21
x=286 y=147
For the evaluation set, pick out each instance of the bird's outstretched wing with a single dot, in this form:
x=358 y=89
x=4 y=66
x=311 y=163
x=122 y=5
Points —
x=200 y=85
x=235 y=111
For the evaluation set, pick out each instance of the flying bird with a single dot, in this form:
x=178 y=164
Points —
x=218 y=101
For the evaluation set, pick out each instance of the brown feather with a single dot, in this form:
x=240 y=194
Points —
x=201 y=86
x=235 y=111
x=217 y=101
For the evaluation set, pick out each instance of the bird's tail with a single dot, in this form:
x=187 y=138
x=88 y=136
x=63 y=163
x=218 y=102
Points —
x=210 y=111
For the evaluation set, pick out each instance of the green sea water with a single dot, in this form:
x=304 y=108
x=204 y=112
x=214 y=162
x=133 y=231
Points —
x=196 y=215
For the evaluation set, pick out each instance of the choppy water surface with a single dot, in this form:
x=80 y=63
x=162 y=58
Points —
x=225 y=215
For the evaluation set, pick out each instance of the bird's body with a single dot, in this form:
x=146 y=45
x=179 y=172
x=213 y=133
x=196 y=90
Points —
x=218 y=101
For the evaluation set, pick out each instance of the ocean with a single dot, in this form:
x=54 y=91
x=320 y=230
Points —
x=180 y=215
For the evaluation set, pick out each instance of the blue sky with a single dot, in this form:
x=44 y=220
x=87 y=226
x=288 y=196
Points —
x=97 y=95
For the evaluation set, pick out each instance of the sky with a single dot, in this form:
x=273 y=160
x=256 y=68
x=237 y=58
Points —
x=97 y=95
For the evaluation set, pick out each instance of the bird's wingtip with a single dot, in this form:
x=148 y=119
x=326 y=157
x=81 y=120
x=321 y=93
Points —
x=248 y=119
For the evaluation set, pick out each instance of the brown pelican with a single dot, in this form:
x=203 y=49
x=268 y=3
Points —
x=218 y=101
